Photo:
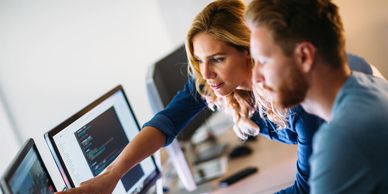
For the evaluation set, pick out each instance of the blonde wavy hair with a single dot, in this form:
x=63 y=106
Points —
x=269 y=110
x=223 y=19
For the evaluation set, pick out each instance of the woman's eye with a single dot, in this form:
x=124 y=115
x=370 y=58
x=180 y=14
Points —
x=218 y=60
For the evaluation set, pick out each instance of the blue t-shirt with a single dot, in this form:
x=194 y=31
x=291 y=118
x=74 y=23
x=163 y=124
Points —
x=187 y=103
x=351 y=151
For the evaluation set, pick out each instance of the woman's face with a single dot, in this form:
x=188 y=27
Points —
x=224 y=68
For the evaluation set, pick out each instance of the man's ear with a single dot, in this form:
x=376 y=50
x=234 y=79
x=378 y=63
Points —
x=305 y=53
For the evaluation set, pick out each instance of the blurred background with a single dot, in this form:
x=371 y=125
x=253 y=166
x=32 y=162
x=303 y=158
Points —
x=58 y=56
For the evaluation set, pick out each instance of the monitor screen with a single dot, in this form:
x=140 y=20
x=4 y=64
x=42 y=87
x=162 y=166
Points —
x=168 y=76
x=27 y=173
x=85 y=144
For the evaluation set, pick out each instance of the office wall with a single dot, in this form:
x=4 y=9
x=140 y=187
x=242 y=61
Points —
x=8 y=140
x=366 y=27
x=177 y=16
x=58 y=56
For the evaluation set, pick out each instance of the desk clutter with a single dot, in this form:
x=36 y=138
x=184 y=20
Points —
x=209 y=160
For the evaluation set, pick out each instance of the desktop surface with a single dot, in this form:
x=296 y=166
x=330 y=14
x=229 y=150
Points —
x=276 y=163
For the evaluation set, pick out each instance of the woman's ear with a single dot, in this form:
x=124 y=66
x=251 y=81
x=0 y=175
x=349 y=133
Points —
x=305 y=53
x=247 y=53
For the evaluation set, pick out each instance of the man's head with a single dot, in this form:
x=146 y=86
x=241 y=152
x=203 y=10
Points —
x=287 y=38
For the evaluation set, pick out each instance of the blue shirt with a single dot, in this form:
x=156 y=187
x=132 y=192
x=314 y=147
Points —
x=351 y=151
x=187 y=103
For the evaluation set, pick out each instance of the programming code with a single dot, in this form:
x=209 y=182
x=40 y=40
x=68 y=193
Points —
x=101 y=141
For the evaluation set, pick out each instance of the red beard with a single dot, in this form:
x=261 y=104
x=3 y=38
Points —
x=292 y=89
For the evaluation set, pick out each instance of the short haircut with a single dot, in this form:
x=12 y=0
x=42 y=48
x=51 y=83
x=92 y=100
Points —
x=293 y=21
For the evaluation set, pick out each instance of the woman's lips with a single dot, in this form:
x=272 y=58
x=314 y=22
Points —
x=216 y=86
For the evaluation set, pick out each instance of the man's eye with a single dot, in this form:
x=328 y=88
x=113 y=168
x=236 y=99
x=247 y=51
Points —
x=261 y=61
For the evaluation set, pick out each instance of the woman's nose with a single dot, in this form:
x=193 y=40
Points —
x=207 y=71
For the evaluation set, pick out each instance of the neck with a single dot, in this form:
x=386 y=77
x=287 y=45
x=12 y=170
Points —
x=325 y=83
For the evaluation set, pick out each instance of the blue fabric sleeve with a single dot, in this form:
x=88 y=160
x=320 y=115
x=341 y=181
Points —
x=268 y=130
x=306 y=126
x=186 y=104
x=359 y=64
x=301 y=128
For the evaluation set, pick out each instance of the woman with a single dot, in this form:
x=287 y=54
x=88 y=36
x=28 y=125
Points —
x=218 y=50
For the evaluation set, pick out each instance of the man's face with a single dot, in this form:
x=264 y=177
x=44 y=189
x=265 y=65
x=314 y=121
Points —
x=276 y=72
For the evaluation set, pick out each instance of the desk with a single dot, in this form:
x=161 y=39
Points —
x=276 y=162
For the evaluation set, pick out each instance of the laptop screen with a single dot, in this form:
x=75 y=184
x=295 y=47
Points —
x=28 y=174
x=85 y=144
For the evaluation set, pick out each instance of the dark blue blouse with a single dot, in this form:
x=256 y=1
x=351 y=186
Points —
x=301 y=126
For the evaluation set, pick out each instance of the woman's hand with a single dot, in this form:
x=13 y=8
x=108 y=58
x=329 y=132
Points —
x=101 y=184
x=139 y=148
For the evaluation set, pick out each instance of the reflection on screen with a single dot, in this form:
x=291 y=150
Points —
x=101 y=141
x=30 y=177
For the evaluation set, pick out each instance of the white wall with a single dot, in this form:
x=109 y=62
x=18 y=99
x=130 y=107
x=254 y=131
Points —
x=9 y=142
x=58 y=56
x=178 y=15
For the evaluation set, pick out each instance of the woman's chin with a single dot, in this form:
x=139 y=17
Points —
x=222 y=93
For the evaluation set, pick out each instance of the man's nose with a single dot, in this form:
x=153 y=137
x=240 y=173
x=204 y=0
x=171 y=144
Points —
x=257 y=76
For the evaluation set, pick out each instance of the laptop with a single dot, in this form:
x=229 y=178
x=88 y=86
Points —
x=86 y=143
x=27 y=173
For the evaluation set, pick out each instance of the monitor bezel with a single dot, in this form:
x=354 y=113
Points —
x=20 y=156
x=49 y=137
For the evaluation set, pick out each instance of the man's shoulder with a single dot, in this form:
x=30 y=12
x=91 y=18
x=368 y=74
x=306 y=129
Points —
x=329 y=132
x=361 y=97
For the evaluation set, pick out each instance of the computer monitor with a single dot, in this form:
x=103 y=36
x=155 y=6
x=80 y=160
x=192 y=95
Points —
x=86 y=143
x=164 y=79
x=27 y=173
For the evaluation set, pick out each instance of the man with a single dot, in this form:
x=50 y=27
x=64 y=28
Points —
x=299 y=52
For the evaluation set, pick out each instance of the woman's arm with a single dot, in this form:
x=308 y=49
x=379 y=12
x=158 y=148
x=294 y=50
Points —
x=159 y=131
x=135 y=152
x=269 y=130
x=143 y=145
